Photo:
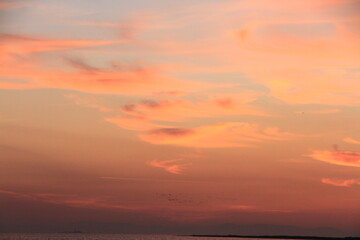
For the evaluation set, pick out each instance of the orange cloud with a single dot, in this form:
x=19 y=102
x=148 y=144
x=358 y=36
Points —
x=130 y=79
x=292 y=56
x=230 y=134
x=281 y=42
x=297 y=40
x=321 y=87
x=23 y=44
x=6 y=85
x=351 y=159
x=226 y=102
x=142 y=81
x=304 y=52
x=340 y=182
x=169 y=166
x=126 y=79
x=180 y=110
x=112 y=82
x=145 y=115
x=351 y=140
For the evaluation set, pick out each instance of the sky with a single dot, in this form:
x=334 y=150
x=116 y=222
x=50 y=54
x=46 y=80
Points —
x=173 y=113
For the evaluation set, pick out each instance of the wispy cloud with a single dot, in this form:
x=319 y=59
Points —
x=16 y=194
x=181 y=109
x=325 y=111
x=127 y=30
x=74 y=200
x=134 y=123
x=171 y=166
x=221 y=135
x=343 y=158
x=255 y=209
x=159 y=180
x=129 y=80
x=30 y=44
x=81 y=65
x=351 y=140
x=90 y=102
x=340 y=182
x=11 y=4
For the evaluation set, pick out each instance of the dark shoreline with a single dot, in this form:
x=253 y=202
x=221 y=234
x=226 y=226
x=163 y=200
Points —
x=278 y=237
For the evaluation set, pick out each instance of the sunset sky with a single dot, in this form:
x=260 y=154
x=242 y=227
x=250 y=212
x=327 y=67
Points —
x=191 y=112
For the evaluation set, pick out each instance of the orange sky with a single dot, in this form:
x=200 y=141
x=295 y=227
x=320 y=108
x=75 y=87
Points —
x=202 y=112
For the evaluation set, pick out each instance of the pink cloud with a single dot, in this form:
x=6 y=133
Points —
x=169 y=165
x=340 y=182
x=126 y=79
x=175 y=166
x=144 y=80
x=226 y=102
x=16 y=194
x=351 y=159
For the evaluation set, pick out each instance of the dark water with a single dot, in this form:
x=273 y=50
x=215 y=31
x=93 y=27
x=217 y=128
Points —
x=83 y=236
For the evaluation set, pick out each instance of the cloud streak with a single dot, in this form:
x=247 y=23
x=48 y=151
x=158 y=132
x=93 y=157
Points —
x=342 y=158
x=4 y=5
x=170 y=166
x=28 y=44
x=221 y=135
x=181 y=110
x=125 y=79
x=351 y=140
x=89 y=102
x=340 y=182
x=74 y=200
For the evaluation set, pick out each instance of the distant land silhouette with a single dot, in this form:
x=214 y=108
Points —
x=270 y=229
x=217 y=229
x=280 y=237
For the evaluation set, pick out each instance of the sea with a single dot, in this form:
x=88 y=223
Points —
x=87 y=236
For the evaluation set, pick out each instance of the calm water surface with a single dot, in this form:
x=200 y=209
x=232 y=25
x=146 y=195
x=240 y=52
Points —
x=81 y=236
